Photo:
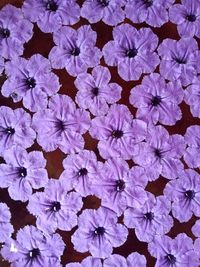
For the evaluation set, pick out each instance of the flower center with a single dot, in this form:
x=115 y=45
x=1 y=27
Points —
x=148 y=3
x=75 y=51
x=120 y=185
x=190 y=194
x=10 y=130
x=131 y=53
x=117 y=134
x=181 y=60
x=22 y=172
x=30 y=82
x=4 y=33
x=34 y=253
x=155 y=101
x=104 y=2
x=158 y=153
x=191 y=17
x=60 y=125
x=99 y=231
x=95 y=91
x=149 y=216
x=51 y=6
x=82 y=172
x=56 y=206
x=171 y=259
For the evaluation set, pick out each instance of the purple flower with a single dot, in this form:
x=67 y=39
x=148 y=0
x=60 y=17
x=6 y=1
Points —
x=55 y=208
x=119 y=186
x=179 y=59
x=134 y=259
x=61 y=125
x=22 y=172
x=95 y=92
x=196 y=232
x=187 y=16
x=177 y=252
x=2 y=65
x=185 y=194
x=33 y=249
x=156 y=100
x=15 y=128
x=30 y=80
x=50 y=15
x=80 y=171
x=192 y=138
x=192 y=98
x=132 y=51
x=75 y=50
x=150 y=219
x=14 y=32
x=152 y=12
x=98 y=232
x=117 y=132
x=161 y=154
x=110 y=11
x=87 y=262
x=6 y=227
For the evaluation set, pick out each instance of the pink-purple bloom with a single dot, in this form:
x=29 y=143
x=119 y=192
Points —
x=51 y=15
x=157 y=101
x=132 y=51
x=61 y=125
x=98 y=232
x=22 y=172
x=6 y=227
x=192 y=97
x=30 y=80
x=75 y=50
x=95 y=91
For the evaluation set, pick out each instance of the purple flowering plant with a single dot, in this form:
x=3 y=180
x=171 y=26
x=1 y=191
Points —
x=192 y=98
x=6 y=226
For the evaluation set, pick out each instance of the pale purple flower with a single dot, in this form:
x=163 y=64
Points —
x=87 y=262
x=33 y=249
x=153 y=12
x=157 y=101
x=2 y=65
x=192 y=138
x=110 y=11
x=15 y=128
x=179 y=60
x=187 y=17
x=192 y=97
x=117 y=132
x=134 y=259
x=150 y=219
x=170 y=252
x=30 y=80
x=120 y=187
x=196 y=232
x=6 y=227
x=14 y=31
x=132 y=51
x=161 y=154
x=22 y=172
x=51 y=15
x=80 y=171
x=95 y=92
x=56 y=207
x=185 y=194
x=61 y=125
x=98 y=232
x=75 y=50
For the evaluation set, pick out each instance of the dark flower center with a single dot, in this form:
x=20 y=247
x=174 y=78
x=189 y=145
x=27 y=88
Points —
x=82 y=172
x=22 y=172
x=75 y=51
x=171 y=259
x=60 y=125
x=95 y=91
x=181 y=60
x=104 y=2
x=10 y=130
x=149 y=216
x=190 y=194
x=56 y=206
x=191 y=17
x=51 y=5
x=4 y=33
x=34 y=253
x=131 y=53
x=148 y=3
x=99 y=231
x=120 y=185
x=117 y=134
x=158 y=153
x=155 y=101
x=30 y=82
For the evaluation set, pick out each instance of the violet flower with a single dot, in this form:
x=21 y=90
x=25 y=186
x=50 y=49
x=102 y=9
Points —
x=185 y=194
x=33 y=249
x=51 y=15
x=2 y=65
x=132 y=51
x=15 y=128
x=75 y=50
x=196 y=233
x=95 y=92
x=110 y=11
x=134 y=259
x=61 y=125
x=161 y=154
x=30 y=80
x=6 y=227
x=87 y=262
x=14 y=31
x=179 y=60
x=192 y=97
x=98 y=232
x=157 y=101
